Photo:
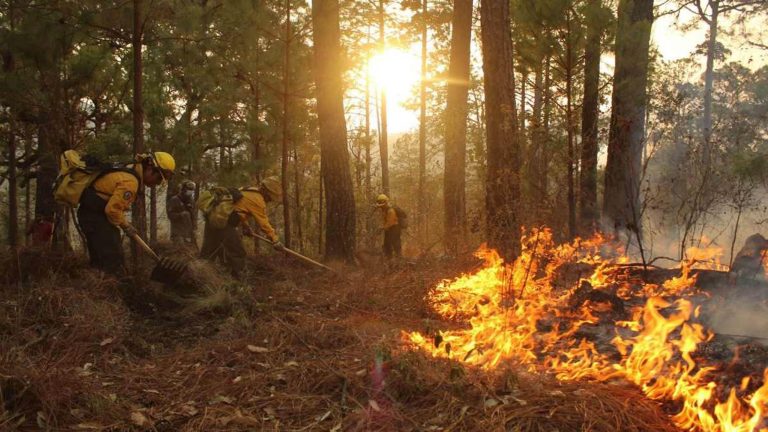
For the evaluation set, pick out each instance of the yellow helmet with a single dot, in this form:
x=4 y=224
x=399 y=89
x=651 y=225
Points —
x=273 y=186
x=382 y=200
x=164 y=161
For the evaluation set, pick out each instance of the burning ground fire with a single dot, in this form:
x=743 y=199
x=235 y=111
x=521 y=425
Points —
x=524 y=313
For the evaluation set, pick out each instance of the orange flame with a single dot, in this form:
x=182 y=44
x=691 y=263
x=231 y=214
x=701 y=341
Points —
x=516 y=313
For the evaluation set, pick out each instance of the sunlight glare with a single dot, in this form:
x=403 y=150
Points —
x=397 y=71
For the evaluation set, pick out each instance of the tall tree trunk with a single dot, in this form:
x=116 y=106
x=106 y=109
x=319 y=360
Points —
x=45 y=206
x=13 y=200
x=368 y=139
x=297 y=197
x=423 y=128
x=139 y=217
x=454 y=180
x=523 y=96
x=321 y=200
x=627 y=132
x=384 y=130
x=569 y=125
x=254 y=132
x=532 y=148
x=286 y=150
x=27 y=178
x=589 y=120
x=709 y=80
x=153 y=215
x=340 y=200
x=503 y=175
x=544 y=133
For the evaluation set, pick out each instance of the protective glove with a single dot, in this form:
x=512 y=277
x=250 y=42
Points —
x=278 y=246
x=129 y=230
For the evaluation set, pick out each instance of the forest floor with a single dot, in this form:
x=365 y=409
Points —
x=292 y=349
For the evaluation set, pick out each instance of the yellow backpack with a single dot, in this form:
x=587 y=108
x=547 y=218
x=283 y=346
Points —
x=76 y=174
x=217 y=205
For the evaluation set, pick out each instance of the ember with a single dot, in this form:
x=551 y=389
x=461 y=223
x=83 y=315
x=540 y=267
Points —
x=538 y=326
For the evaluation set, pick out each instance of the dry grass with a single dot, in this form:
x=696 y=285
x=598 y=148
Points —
x=291 y=349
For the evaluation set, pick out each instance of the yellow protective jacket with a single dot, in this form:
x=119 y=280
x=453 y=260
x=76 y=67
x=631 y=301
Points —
x=119 y=188
x=388 y=217
x=252 y=204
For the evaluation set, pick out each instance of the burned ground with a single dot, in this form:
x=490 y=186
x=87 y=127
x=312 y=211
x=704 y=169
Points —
x=291 y=349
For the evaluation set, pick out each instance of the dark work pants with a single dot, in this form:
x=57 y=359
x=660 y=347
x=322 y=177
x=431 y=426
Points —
x=392 y=244
x=224 y=245
x=103 y=239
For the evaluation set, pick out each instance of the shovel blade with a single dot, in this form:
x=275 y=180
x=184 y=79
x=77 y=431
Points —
x=168 y=271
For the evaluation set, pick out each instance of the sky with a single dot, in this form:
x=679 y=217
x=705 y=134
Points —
x=672 y=43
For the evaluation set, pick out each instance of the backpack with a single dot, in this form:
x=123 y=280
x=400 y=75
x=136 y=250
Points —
x=217 y=205
x=402 y=217
x=77 y=173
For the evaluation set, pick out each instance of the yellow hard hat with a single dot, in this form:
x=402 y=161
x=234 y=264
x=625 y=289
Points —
x=273 y=187
x=164 y=161
x=382 y=199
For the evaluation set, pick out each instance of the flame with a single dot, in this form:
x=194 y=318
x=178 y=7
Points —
x=522 y=313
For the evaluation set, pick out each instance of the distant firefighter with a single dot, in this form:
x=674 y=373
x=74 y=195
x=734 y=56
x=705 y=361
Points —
x=181 y=212
x=393 y=222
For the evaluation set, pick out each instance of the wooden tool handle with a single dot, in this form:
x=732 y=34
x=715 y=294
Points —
x=145 y=246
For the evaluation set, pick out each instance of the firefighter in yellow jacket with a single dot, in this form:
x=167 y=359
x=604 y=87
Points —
x=101 y=213
x=226 y=243
x=390 y=224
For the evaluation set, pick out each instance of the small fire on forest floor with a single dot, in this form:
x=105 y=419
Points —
x=532 y=313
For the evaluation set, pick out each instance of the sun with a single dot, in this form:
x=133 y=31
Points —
x=395 y=71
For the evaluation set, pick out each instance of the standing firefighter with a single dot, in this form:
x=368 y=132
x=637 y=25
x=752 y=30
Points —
x=105 y=200
x=392 y=223
x=181 y=212
x=226 y=209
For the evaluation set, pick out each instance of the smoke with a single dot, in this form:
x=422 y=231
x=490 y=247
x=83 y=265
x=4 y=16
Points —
x=742 y=311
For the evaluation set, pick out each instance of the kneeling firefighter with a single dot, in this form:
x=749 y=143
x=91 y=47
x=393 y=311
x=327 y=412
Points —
x=226 y=209
x=104 y=201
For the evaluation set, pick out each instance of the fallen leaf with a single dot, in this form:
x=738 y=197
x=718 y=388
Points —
x=490 y=403
x=237 y=380
x=336 y=428
x=374 y=405
x=106 y=341
x=519 y=401
x=221 y=399
x=321 y=418
x=153 y=391
x=257 y=349
x=188 y=409
x=270 y=412
x=361 y=372
x=89 y=426
x=112 y=397
x=291 y=364
x=42 y=420
x=464 y=410
x=139 y=419
x=557 y=393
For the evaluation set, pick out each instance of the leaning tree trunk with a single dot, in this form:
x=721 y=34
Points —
x=589 y=118
x=503 y=172
x=627 y=132
x=454 y=181
x=340 y=200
